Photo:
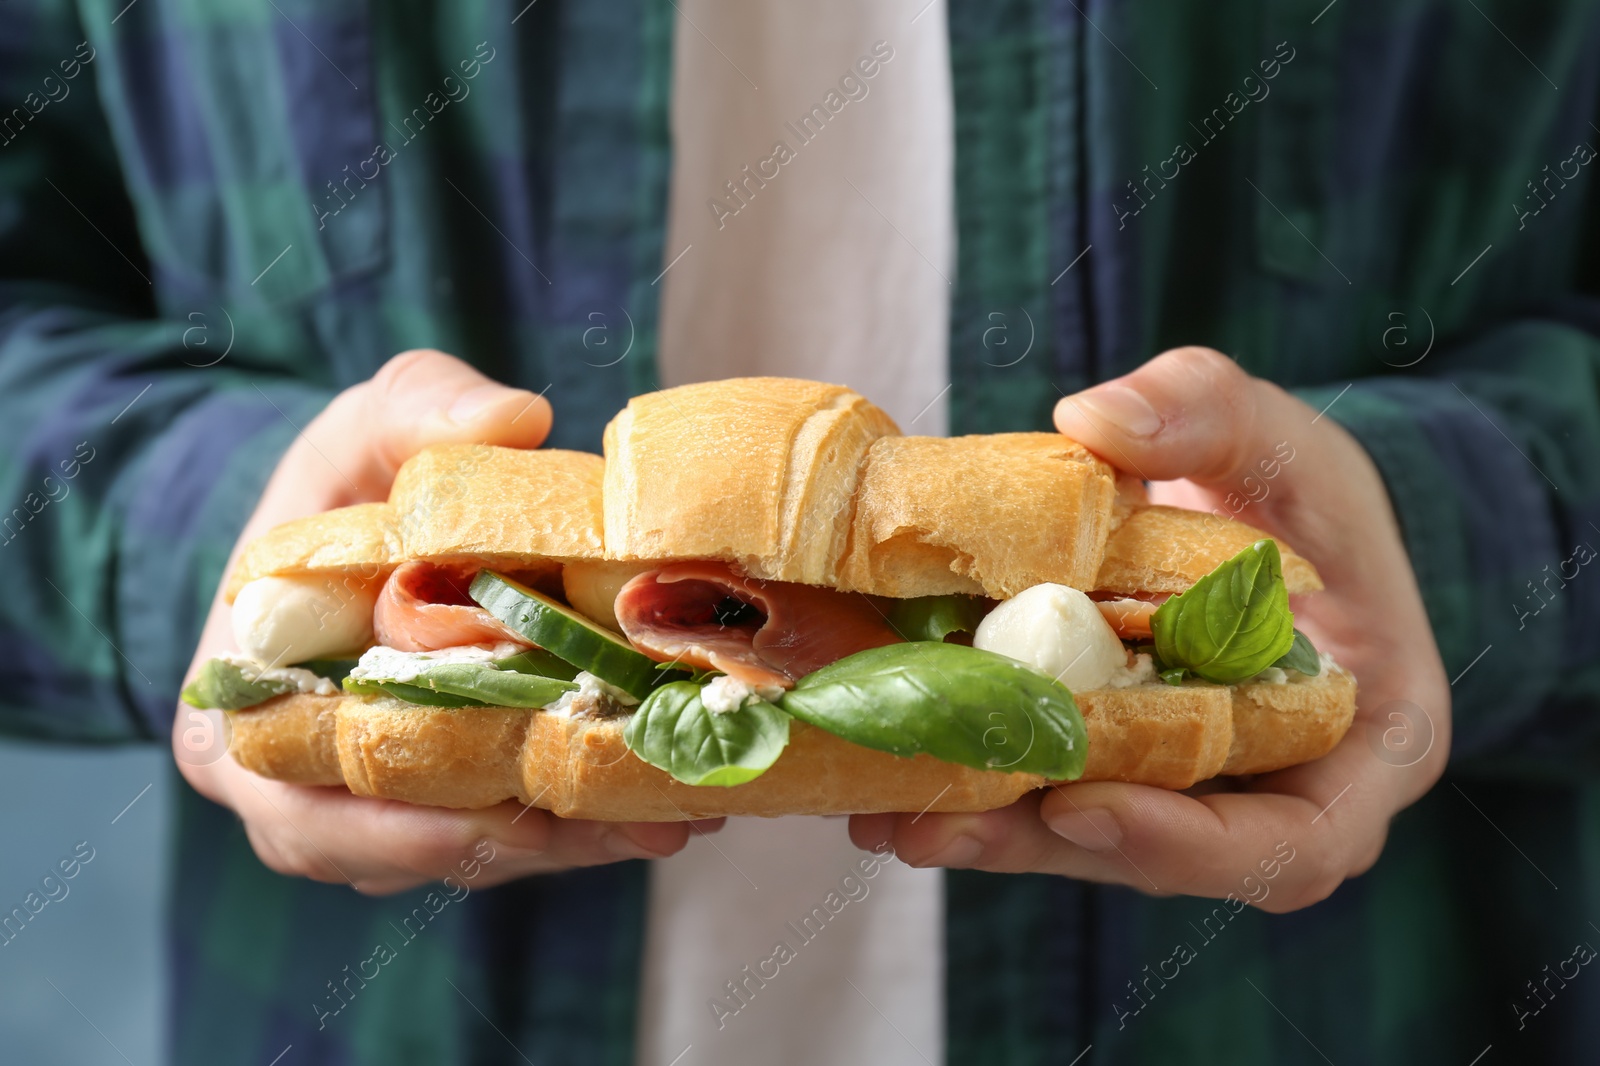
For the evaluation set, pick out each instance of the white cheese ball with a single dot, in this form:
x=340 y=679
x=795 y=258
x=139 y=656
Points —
x=282 y=620
x=1058 y=630
x=592 y=586
x=725 y=694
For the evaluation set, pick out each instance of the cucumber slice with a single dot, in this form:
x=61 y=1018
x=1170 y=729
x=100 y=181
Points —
x=540 y=662
x=566 y=633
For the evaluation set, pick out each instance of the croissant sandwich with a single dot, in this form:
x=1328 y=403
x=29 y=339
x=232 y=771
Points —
x=764 y=600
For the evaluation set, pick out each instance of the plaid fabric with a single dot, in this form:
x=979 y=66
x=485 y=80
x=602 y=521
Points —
x=1382 y=205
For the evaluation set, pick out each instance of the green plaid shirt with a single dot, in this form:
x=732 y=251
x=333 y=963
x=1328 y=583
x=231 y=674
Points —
x=213 y=215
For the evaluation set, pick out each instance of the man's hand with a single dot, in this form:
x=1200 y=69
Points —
x=1211 y=437
x=349 y=454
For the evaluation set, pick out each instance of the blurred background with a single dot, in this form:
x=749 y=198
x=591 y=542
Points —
x=99 y=944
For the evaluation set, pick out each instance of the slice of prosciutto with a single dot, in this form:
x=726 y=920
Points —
x=424 y=607
x=1129 y=616
x=705 y=615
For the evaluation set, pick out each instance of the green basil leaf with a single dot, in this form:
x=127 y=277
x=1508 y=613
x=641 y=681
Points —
x=335 y=670
x=1302 y=656
x=695 y=673
x=1174 y=676
x=225 y=686
x=498 y=688
x=1233 y=623
x=424 y=697
x=965 y=706
x=935 y=617
x=510 y=682
x=538 y=661
x=673 y=731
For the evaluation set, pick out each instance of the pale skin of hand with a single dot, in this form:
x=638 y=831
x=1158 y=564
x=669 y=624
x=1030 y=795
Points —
x=349 y=454
x=1196 y=425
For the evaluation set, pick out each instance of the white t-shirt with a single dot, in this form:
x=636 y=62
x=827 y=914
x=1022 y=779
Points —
x=811 y=234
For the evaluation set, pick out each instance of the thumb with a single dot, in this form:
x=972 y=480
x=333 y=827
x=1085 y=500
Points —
x=424 y=397
x=351 y=451
x=1189 y=413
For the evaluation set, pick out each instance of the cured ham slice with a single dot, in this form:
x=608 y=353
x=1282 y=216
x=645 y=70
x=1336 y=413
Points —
x=1129 y=616
x=424 y=607
x=705 y=615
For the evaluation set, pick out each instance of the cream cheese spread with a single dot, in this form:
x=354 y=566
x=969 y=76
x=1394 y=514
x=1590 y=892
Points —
x=388 y=664
x=304 y=681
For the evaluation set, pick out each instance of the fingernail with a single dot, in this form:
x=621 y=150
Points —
x=505 y=852
x=621 y=846
x=962 y=851
x=471 y=403
x=1125 y=409
x=1091 y=830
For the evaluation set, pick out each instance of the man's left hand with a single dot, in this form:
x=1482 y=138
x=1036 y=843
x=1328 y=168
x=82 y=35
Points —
x=1205 y=434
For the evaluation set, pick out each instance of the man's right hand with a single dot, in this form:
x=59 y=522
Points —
x=349 y=454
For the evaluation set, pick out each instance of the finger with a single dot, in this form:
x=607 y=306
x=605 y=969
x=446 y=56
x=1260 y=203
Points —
x=1278 y=850
x=417 y=398
x=872 y=831
x=1286 y=841
x=425 y=397
x=380 y=846
x=1191 y=413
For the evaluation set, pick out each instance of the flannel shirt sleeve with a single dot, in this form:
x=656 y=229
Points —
x=1492 y=462
x=127 y=463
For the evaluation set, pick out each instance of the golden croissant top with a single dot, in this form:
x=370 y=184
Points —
x=790 y=480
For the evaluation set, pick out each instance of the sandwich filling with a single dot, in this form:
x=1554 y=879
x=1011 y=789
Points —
x=425 y=606
x=707 y=616
x=710 y=666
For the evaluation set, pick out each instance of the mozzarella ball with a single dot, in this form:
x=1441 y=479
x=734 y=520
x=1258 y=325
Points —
x=1058 y=630
x=283 y=620
x=592 y=586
